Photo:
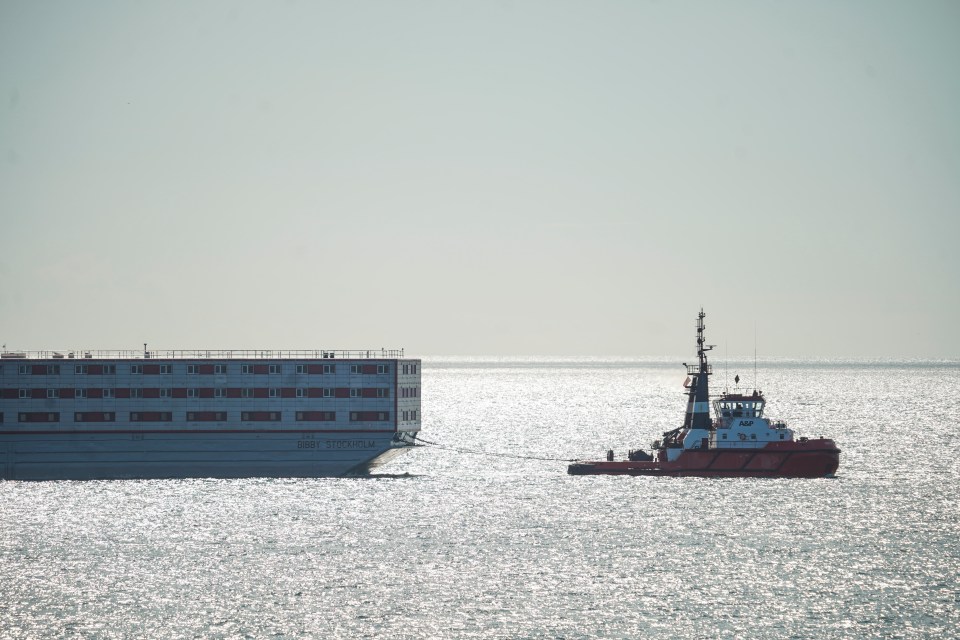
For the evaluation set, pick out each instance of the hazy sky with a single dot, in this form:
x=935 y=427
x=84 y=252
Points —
x=482 y=177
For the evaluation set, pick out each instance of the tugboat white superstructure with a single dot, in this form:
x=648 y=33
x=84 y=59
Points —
x=740 y=442
x=216 y=414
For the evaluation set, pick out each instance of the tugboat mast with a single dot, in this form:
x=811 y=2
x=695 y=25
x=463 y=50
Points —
x=698 y=396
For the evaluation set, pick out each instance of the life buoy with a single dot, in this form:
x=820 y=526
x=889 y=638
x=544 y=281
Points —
x=743 y=436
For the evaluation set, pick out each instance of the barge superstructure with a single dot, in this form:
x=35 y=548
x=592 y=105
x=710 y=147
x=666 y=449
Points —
x=221 y=414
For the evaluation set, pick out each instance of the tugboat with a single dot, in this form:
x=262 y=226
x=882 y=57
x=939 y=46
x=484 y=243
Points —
x=739 y=443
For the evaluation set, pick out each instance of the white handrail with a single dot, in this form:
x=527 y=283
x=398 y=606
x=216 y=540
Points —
x=205 y=354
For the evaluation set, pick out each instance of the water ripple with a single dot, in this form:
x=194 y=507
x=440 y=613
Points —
x=487 y=547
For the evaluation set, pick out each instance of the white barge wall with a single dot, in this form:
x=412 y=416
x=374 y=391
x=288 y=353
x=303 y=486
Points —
x=224 y=417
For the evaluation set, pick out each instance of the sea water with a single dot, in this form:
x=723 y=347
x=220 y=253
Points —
x=450 y=544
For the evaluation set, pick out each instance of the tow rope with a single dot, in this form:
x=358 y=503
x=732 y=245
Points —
x=492 y=454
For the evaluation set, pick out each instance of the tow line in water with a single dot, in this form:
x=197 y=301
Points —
x=493 y=454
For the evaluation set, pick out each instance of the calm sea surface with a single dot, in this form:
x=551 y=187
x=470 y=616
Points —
x=474 y=546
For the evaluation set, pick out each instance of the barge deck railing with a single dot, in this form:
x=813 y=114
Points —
x=205 y=354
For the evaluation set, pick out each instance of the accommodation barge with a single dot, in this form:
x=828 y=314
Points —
x=78 y=415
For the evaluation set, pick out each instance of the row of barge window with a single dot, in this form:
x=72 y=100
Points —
x=206 y=392
x=214 y=369
x=208 y=416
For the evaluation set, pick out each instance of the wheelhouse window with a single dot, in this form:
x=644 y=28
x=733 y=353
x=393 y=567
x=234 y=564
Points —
x=743 y=409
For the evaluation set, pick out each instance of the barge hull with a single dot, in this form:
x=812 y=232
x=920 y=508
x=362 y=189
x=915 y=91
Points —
x=197 y=454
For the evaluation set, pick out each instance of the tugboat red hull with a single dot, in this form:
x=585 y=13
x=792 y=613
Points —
x=799 y=459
